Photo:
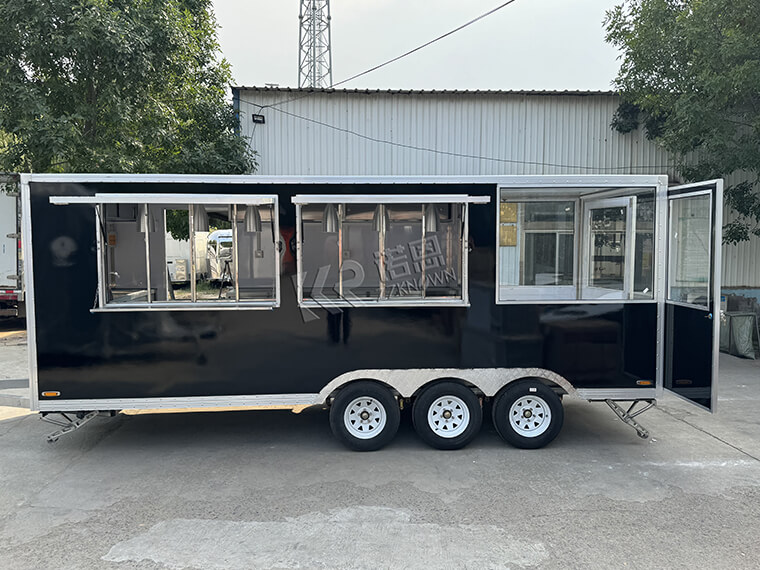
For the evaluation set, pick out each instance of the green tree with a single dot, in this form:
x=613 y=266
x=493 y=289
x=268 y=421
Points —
x=690 y=73
x=115 y=86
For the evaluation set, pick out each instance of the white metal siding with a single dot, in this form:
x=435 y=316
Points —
x=527 y=134
x=369 y=134
x=741 y=262
x=8 y=245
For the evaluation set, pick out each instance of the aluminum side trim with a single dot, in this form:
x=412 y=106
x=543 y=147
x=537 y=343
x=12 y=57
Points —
x=580 y=180
x=31 y=323
x=286 y=400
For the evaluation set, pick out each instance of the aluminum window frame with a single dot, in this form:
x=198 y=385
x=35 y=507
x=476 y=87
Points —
x=630 y=204
x=579 y=189
x=531 y=293
x=671 y=250
x=99 y=200
x=340 y=200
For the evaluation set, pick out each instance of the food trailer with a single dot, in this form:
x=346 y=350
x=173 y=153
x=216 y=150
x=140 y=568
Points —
x=450 y=295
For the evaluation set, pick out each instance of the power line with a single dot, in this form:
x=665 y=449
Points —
x=403 y=55
x=450 y=153
x=418 y=48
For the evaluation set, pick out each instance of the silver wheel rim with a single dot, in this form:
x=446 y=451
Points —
x=365 y=418
x=448 y=416
x=530 y=416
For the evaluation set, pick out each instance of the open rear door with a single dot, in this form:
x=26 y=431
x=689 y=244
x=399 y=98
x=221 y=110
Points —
x=692 y=297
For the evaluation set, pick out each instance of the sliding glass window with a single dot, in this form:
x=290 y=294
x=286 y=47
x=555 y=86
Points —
x=179 y=252
x=382 y=250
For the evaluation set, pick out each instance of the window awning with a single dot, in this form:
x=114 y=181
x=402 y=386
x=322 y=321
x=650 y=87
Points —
x=389 y=199
x=114 y=198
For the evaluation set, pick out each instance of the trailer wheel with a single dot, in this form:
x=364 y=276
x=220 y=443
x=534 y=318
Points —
x=365 y=416
x=528 y=414
x=447 y=415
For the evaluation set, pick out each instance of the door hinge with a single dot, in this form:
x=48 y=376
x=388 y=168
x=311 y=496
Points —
x=13 y=236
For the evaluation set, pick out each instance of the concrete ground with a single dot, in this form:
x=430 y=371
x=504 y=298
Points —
x=275 y=490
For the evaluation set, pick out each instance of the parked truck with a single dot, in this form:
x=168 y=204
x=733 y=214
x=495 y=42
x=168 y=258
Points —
x=11 y=281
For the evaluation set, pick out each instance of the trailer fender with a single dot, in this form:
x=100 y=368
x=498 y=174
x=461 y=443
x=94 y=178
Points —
x=407 y=382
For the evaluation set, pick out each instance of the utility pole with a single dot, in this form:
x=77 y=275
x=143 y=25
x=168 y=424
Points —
x=314 y=52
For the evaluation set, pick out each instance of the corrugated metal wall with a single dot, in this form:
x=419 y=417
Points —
x=384 y=133
x=741 y=262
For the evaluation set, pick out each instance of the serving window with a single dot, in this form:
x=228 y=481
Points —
x=180 y=252
x=575 y=244
x=382 y=249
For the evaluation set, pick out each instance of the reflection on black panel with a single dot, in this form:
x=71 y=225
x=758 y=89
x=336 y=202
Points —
x=593 y=346
x=688 y=354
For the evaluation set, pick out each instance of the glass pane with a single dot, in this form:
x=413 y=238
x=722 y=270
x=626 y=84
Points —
x=402 y=258
x=643 y=269
x=386 y=251
x=176 y=253
x=256 y=264
x=540 y=259
x=607 y=240
x=212 y=231
x=536 y=243
x=361 y=246
x=689 y=268
x=125 y=268
x=320 y=252
x=565 y=260
x=443 y=251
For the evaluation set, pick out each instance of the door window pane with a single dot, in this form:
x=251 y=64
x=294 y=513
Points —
x=689 y=268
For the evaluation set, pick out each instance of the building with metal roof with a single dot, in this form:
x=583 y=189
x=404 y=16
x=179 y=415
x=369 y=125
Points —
x=456 y=133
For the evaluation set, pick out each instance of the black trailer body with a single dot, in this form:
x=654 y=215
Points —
x=361 y=293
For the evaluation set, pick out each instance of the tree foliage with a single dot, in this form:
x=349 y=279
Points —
x=115 y=86
x=690 y=73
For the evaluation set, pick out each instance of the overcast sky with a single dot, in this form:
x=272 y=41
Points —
x=530 y=44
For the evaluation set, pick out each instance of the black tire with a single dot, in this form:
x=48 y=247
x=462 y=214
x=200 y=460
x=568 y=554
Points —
x=464 y=406
x=358 y=434
x=537 y=424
